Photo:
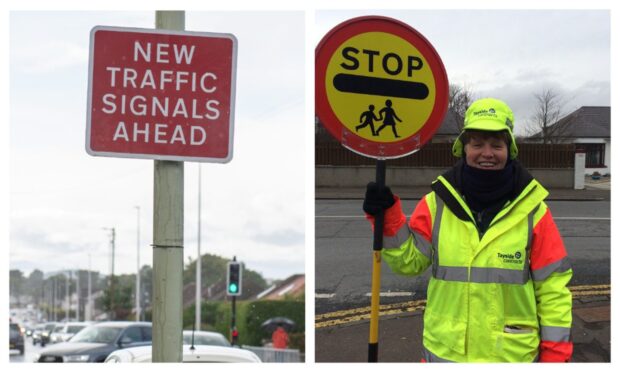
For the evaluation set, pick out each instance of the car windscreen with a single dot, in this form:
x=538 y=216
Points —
x=49 y=327
x=103 y=335
x=75 y=328
x=202 y=339
x=13 y=330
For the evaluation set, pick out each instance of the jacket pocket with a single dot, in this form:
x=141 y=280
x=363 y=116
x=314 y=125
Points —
x=517 y=344
x=442 y=332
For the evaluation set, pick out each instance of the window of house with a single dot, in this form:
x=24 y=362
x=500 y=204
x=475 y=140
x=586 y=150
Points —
x=595 y=154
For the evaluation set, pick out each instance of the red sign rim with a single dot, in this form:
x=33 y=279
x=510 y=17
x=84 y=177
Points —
x=182 y=154
x=379 y=150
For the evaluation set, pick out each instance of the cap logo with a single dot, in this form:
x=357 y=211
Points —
x=485 y=112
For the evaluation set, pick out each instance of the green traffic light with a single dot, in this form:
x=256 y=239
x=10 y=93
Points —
x=232 y=288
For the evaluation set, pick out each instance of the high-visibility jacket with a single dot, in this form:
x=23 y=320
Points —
x=500 y=296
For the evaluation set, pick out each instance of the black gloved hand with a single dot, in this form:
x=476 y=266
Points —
x=377 y=199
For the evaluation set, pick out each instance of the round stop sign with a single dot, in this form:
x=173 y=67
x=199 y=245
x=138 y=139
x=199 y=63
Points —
x=381 y=88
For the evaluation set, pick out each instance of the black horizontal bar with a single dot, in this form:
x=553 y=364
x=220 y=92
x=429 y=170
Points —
x=380 y=86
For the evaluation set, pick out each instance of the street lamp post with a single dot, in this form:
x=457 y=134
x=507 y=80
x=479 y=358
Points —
x=112 y=243
x=90 y=304
x=138 y=266
x=198 y=262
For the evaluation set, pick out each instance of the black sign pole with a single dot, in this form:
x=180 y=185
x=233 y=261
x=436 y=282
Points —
x=373 y=339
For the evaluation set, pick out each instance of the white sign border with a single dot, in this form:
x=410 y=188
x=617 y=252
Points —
x=233 y=85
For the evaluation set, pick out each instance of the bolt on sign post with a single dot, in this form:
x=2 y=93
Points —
x=382 y=91
x=164 y=94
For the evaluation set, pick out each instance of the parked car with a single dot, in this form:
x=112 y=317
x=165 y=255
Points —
x=16 y=338
x=42 y=333
x=205 y=338
x=65 y=331
x=96 y=342
x=199 y=354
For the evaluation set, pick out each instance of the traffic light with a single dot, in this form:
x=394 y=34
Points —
x=233 y=286
x=235 y=336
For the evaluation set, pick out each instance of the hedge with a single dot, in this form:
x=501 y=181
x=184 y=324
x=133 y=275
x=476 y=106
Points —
x=216 y=316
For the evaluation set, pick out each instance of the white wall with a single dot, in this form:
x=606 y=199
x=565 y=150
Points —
x=607 y=160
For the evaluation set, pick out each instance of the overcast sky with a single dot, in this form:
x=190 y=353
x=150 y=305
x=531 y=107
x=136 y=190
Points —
x=513 y=54
x=61 y=198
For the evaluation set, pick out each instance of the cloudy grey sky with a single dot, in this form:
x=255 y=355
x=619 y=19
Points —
x=61 y=198
x=513 y=54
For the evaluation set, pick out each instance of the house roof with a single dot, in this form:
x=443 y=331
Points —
x=292 y=286
x=449 y=126
x=585 y=122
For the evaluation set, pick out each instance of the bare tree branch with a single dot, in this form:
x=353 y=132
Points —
x=548 y=111
x=459 y=99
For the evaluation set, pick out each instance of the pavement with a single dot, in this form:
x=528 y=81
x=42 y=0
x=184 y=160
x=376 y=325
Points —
x=343 y=336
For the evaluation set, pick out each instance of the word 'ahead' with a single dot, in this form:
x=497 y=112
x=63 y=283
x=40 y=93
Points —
x=160 y=94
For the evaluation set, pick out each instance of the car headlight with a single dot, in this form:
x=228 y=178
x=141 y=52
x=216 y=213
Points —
x=35 y=358
x=75 y=358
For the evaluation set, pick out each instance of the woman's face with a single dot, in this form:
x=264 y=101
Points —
x=490 y=153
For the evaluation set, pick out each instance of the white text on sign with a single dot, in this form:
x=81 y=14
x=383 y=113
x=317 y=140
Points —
x=148 y=104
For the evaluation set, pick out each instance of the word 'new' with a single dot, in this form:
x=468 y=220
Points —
x=161 y=51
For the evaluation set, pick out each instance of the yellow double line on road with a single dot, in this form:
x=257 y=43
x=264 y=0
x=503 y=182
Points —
x=363 y=313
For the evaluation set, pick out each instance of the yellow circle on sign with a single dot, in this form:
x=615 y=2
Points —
x=391 y=59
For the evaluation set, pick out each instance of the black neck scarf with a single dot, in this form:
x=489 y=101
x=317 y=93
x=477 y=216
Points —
x=484 y=189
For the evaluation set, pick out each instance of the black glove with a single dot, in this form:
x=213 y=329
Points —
x=377 y=199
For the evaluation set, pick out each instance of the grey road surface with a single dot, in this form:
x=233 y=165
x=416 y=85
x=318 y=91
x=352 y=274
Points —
x=343 y=258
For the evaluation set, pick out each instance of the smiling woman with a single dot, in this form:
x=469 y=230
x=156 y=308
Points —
x=484 y=224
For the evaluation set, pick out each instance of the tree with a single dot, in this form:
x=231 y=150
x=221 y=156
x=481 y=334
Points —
x=124 y=297
x=34 y=286
x=459 y=99
x=17 y=284
x=549 y=110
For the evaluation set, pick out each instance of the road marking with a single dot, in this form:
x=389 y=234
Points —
x=392 y=294
x=381 y=294
x=363 y=313
x=555 y=218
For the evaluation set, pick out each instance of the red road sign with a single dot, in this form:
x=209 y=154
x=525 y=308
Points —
x=381 y=88
x=161 y=94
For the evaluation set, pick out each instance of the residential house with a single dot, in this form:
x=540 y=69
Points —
x=589 y=128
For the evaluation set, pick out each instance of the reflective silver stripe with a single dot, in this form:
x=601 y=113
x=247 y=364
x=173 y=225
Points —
x=528 y=248
x=397 y=240
x=420 y=242
x=424 y=246
x=494 y=275
x=559 y=266
x=432 y=358
x=555 y=334
x=480 y=275
x=436 y=226
x=451 y=273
